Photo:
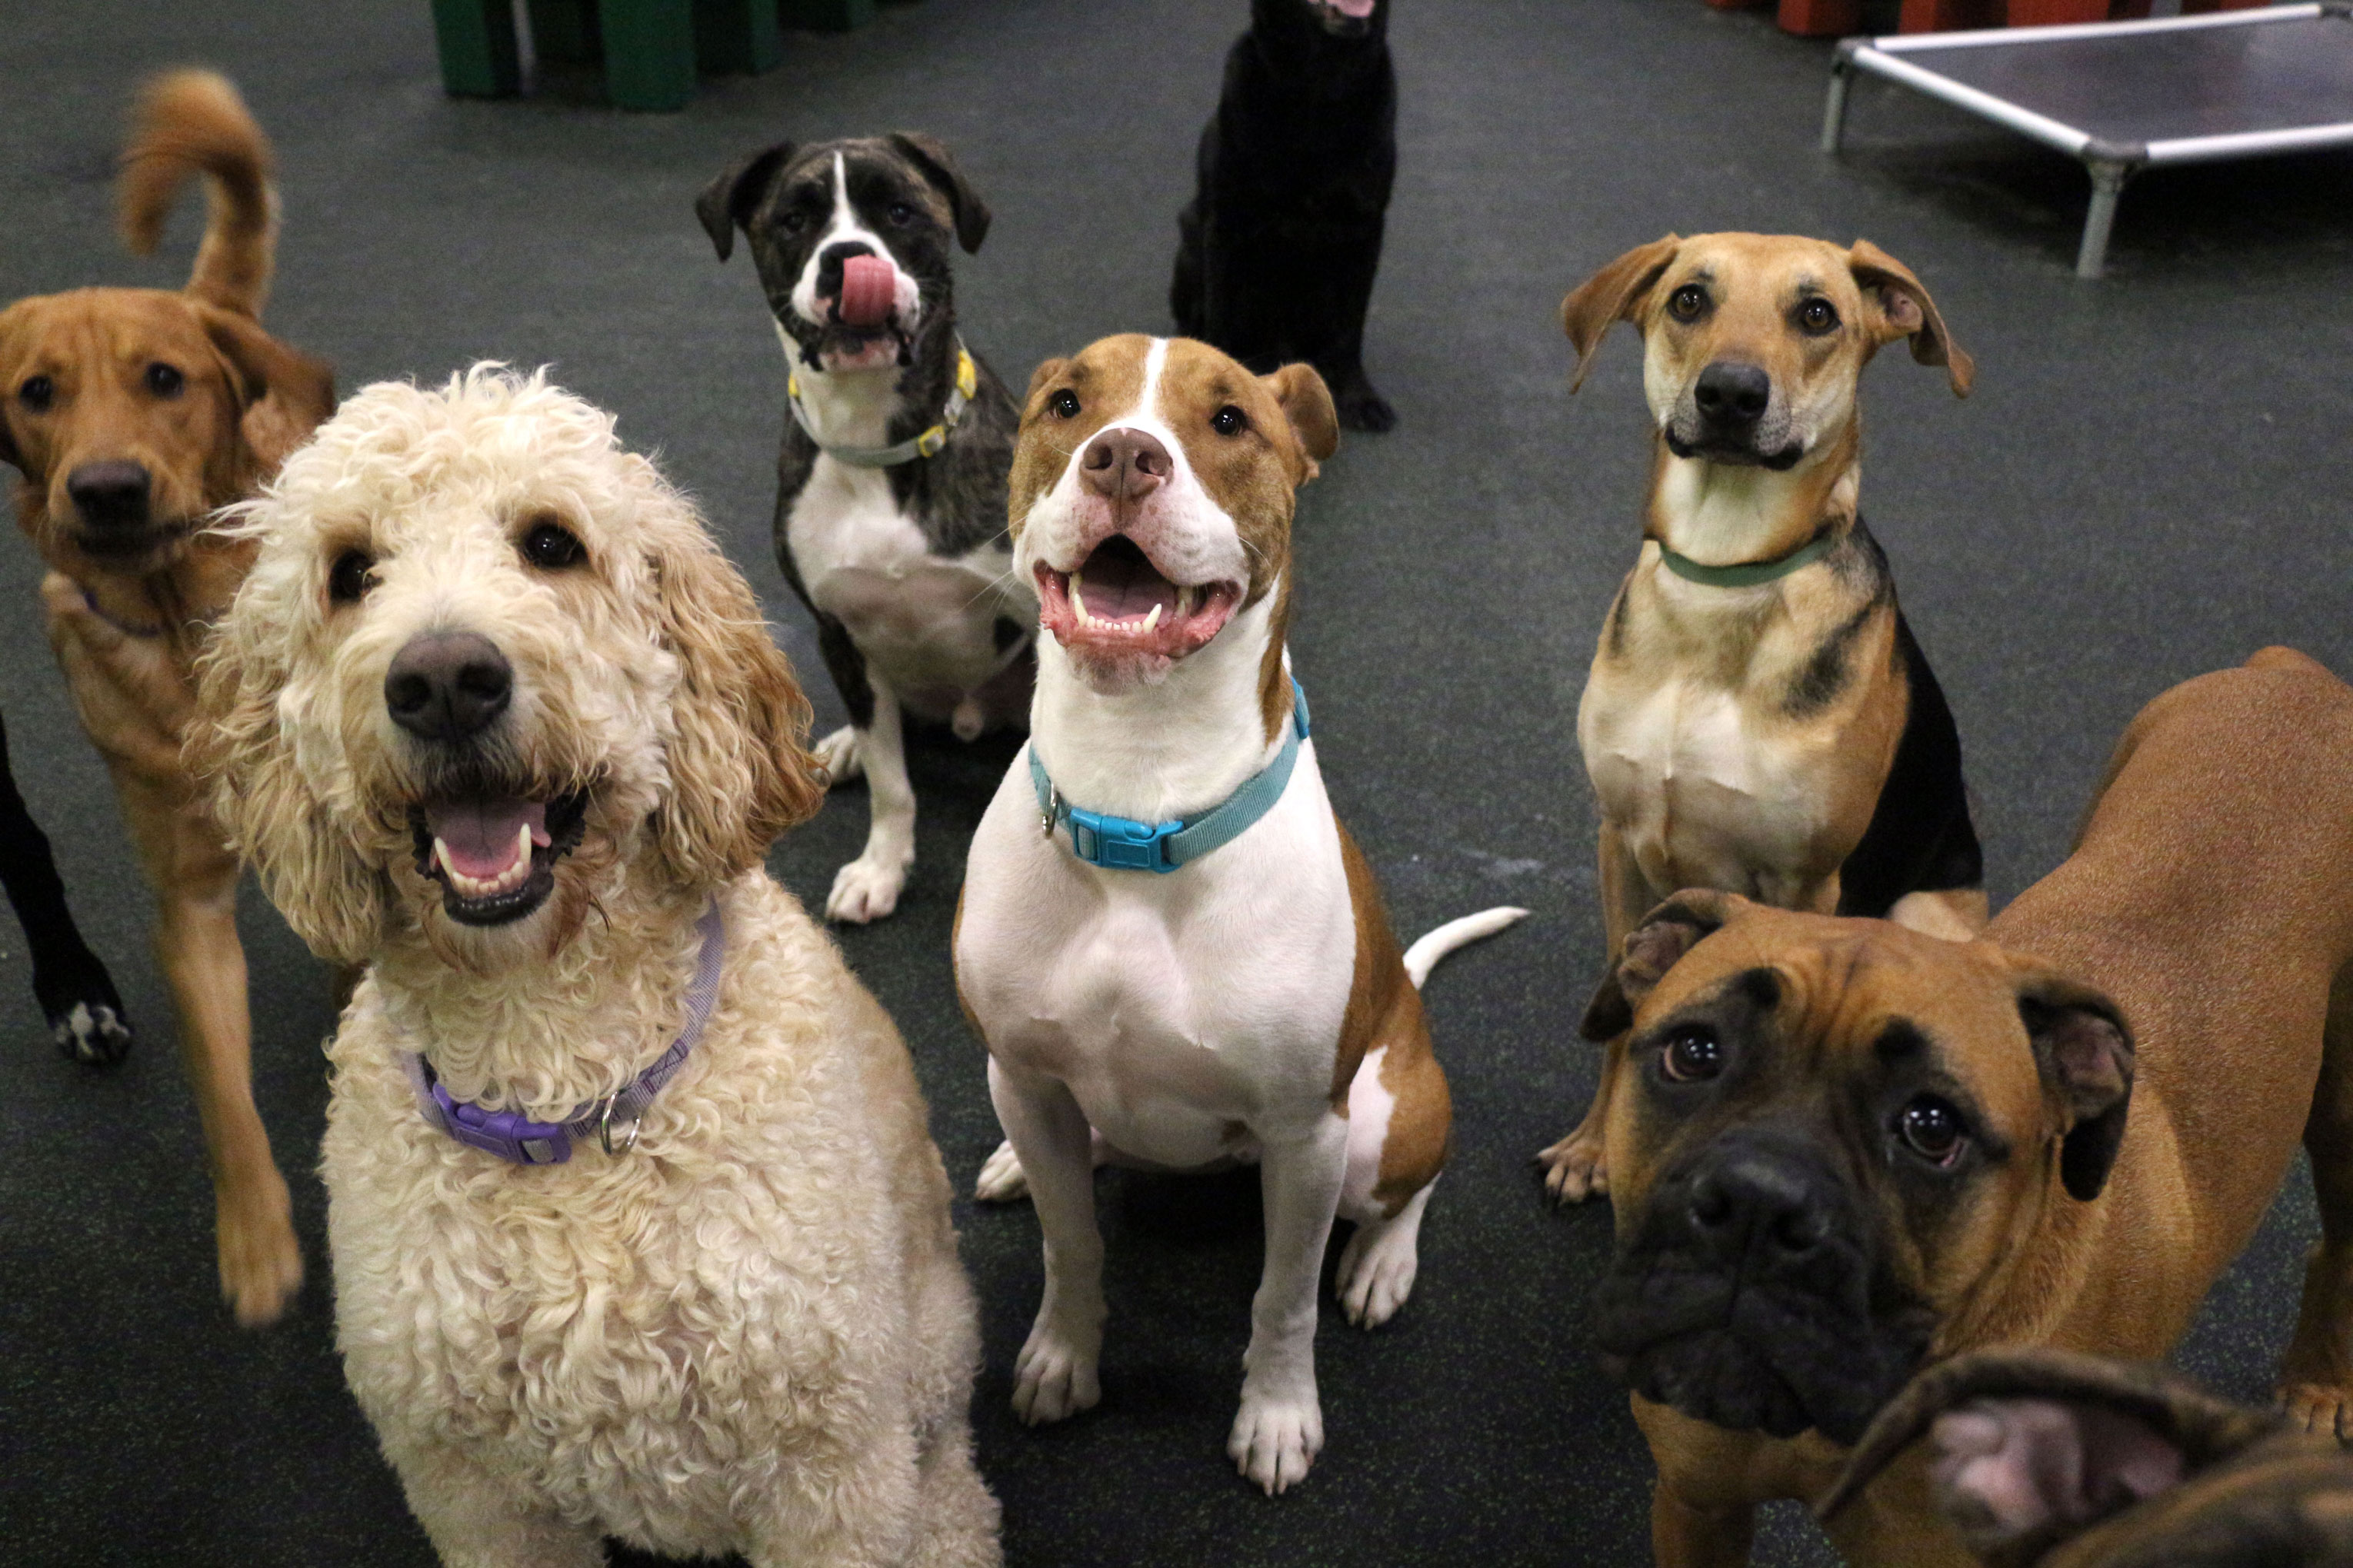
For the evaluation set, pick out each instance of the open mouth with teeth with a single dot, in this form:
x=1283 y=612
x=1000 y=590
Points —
x=495 y=855
x=1117 y=602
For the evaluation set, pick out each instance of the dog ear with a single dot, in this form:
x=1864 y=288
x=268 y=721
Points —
x=727 y=202
x=740 y=770
x=930 y=155
x=2085 y=1053
x=1616 y=293
x=1652 y=948
x=1901 y=308
x=2036 y=1444
x=1306 y=402
x=261 y=365
x=239 y=748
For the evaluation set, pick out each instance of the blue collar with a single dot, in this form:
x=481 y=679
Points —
x=1123 y=844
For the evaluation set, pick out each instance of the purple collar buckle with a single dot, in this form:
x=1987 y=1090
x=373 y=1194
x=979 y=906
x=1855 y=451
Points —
x=505 y=1133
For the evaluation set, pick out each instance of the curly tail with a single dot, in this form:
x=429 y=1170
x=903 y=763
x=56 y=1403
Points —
x=1423 y=955
x=193 y=123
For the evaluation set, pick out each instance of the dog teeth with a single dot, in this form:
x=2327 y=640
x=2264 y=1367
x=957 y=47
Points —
x=1077 y=604
x=1184 y=601
x=506 y=881
x=1152 y=619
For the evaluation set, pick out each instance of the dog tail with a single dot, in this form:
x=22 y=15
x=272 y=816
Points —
x=193 y=123
x=1423 y=955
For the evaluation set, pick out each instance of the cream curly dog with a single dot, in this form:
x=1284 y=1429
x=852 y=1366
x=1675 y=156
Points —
x=495 y=716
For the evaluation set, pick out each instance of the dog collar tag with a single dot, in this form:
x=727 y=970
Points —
x=927 y=445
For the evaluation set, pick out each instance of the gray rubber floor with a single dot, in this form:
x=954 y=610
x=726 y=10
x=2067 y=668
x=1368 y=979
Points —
x=2152 y=479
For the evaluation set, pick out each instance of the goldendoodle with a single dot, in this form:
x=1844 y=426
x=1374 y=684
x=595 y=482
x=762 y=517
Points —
x=636 y=1227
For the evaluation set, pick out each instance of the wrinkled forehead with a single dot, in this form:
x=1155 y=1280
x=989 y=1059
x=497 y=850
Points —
x=1198 y=378
x=1772 y=270
x=1132 y=378
x=125 y=324
x=872 y=168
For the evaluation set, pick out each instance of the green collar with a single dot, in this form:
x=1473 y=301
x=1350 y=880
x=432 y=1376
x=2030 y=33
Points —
x=1747 y=574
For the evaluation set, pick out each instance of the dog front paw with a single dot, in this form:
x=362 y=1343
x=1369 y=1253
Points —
x=1275 y=1439
x=1376 y=1273
x=838 y=755
x=1055 y=1375
x=1574 y=1169
x=92 y=1033
x=2324 y=1410
x=1362 y=408
x=260 y=1262
x=865 y=890
x=1001 y=1180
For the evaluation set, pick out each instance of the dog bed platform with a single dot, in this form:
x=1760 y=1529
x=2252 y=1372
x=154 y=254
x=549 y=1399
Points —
x=2127 y=96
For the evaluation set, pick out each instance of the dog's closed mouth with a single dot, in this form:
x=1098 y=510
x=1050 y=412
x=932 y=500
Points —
x=495 y=855
x=1118 y=602
x=1719 y=451
x=128 y=543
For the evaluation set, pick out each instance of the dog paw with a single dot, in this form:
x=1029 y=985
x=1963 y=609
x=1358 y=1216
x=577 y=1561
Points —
x=1001 y=1180
x=1376 y=1272
x=92 y=1033
x=260 y=1262
x=838 y=755
x=1275 y=1440
x=1574 y=1170
x=2323 y=1409
x=1367 y=410
x=1054 y=1377
x=865 y=890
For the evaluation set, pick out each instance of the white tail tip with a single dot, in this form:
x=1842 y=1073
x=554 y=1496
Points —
x=1423 y=955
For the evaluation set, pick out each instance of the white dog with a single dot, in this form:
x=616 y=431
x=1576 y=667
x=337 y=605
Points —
x=636 y=1228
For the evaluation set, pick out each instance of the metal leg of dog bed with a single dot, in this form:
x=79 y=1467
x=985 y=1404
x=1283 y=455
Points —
x=2108 y=177
x=1834 y=108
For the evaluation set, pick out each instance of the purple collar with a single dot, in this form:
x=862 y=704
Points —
x=514 y=1137
x=128 y=628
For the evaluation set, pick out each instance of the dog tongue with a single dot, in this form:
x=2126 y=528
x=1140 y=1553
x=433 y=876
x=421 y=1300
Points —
x=869 y=288
x=483 y=838
x=1119 y=581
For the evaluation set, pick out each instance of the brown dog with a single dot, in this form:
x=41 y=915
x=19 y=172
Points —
x=1844 y=1147
x=2074 y=1461
x=1759 y=718
x=133 y=414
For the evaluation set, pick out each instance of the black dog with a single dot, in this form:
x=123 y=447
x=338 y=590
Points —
x=76 y=993
x=1276 y=253
x=891 y=484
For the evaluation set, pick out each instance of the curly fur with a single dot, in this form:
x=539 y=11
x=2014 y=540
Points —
x=750 y=1332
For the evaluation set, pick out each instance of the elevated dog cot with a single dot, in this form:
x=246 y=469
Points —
x=2127 y=96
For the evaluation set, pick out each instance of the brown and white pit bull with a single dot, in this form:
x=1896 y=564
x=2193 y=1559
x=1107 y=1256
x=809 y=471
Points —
x=1759 y=718
x=1845 y=1147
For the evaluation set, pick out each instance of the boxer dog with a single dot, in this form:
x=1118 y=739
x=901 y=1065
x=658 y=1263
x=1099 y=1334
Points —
x=1845 y=1147
x=2073 y=1461
x=1176 y=954
x=1276 y=251
x=1759 y=717
x=890 y=483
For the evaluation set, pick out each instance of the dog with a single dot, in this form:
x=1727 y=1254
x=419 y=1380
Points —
x=1246 y=1005
x=890 y=483
x=134 y=414
x=1759 y=717
x=636 y=1228
x=2076 y=1461
x=77 y=996
x=1276 y=251
x=1844 y=1147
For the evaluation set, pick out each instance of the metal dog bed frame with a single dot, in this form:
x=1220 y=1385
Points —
x=2127 y=96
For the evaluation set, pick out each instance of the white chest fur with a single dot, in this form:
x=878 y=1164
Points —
x=1187 y=1011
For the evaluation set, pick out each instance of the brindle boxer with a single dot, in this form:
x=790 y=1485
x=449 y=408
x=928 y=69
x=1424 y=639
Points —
x=2073 y=1461
x=1847 y=1147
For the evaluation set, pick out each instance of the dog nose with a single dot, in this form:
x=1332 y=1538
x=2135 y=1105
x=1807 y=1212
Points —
x=1754 y=1207
x=1125 y=465
x=1734 y=392
x=111 y=494
x=447 y=686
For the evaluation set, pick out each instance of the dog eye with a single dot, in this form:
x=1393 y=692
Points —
x=163 y=380
x=1686 y=303
x=1064 y=403
x=1932 y=1129
x=793 y=223
x=1692 y=1056
x=900 y=213
x=1817 y=316
x=1229 y=421
x=350 y=578
x=37 y=394
x=552 y=547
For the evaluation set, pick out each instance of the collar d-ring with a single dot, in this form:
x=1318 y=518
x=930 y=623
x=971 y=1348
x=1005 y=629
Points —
x=605 y=1128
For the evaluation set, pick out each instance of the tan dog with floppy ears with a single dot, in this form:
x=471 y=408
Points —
x=1177 y=956
x=1844 y=1148
x=1759 y=718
